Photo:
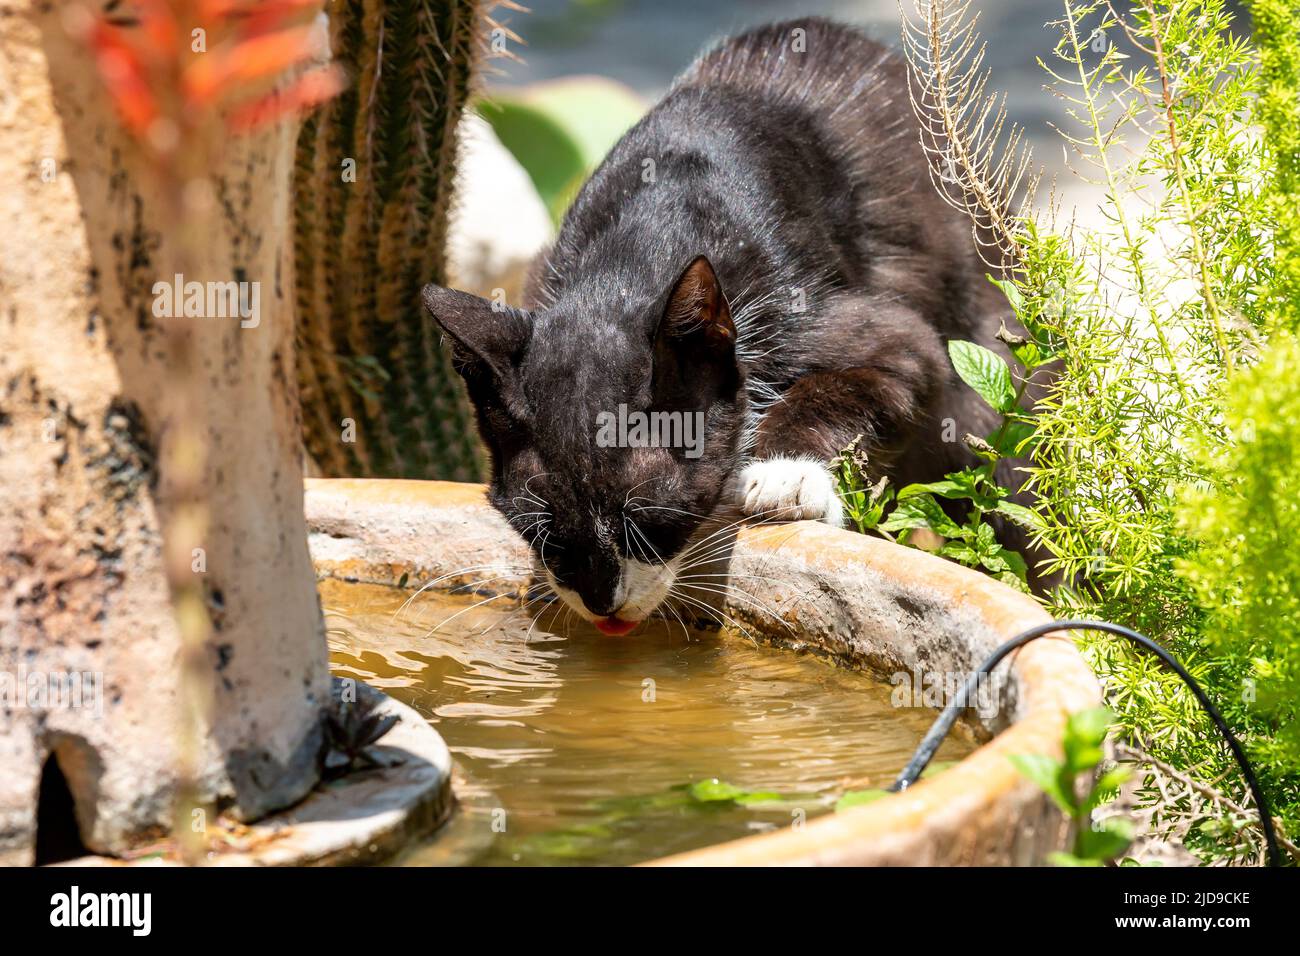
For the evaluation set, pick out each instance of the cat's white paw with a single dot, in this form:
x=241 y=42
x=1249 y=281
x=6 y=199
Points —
x=790 y=489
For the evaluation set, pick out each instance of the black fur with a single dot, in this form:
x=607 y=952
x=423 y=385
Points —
x=800 y=178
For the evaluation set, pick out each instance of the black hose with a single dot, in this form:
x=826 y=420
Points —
x=939 y=730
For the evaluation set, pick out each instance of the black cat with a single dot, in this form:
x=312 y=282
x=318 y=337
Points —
x=763 y=254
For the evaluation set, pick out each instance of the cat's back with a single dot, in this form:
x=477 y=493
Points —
x=834 y=74
x=744 y=159
x=831 y=82
x=826 y=81
x=790 y=155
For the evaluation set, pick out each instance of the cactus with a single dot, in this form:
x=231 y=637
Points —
x=366 y=349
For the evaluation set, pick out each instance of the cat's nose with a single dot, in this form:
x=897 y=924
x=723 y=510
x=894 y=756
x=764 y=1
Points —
x=602 y=595
x=600 y=586
x=602 y=603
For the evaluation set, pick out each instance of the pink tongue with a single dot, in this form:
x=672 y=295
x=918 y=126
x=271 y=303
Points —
x=614 y=626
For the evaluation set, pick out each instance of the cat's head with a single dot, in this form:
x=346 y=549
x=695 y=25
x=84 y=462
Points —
x=572 y=401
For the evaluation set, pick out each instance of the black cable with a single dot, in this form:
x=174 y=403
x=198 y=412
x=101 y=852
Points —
x=939 y=730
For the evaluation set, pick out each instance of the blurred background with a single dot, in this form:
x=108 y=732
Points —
x=578 y=73
x=645 y=43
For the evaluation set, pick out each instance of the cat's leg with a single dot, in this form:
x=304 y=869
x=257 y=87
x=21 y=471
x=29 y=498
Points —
x=784 y=488
x=789 y=478
x=898 y=369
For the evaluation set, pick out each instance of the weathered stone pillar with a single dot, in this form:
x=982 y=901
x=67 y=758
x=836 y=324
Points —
x=83 y=243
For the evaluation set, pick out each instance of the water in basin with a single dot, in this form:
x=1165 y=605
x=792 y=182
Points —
x=575 y=747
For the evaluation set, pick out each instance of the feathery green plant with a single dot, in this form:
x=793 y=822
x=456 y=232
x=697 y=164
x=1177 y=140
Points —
x=373 y=187
x=1246 y=572
x=1277 y=35
x=1150 y=304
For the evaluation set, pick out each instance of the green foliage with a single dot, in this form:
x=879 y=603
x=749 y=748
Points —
x=972 y=542
x=1278 y=114
x=1077 y=788
x=864 y=502
x=858 y=798
x=714 y=790
x=1246 y=574
x=1161 y=300
x=1190 y=134
x=1142 y=347
x=620 y=818
x=560 y=132
x=550 y=156
x=985 y=372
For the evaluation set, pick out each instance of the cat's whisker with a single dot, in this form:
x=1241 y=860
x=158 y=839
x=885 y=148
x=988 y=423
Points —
x=433 y=630
x=645 y=558
x=686 y=634
x=528 y=634
x=541 y=550
x=712 y=560
x=641 y=535
x=554 y=547
x=654 y=507
x=627 y=544
x=545 y=594
x=628 y=496
x=537 y=618
x=742 y=519
x=694 y=557
x=732 y=574
x=683 y=600
x=744 y=596
x=708 y=550
x=639 y=509
x=727 y=588
x=706 y=561
x=717 y=552
x=506 y=569
x=628 y=523
x=698 y=554
x=713 y=536
x=535 y=525
x=758 y=519
x=715 y=614
x=541 y=502
x=531 y=534
x=721 y=550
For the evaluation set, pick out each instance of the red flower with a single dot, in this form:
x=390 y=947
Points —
x=151 y=70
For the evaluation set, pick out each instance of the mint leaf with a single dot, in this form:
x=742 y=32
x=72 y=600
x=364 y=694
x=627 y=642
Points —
x=985 y=372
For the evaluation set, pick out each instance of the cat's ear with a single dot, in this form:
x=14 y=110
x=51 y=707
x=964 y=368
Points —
x=697 y=313
x=487 y=335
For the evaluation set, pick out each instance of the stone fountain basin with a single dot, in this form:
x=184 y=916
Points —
x=863 y=601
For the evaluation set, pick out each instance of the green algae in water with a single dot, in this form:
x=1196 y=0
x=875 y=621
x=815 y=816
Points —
x=577 y=748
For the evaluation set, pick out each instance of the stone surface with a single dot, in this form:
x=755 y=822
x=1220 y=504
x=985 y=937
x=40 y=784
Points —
x=364 y=817
x=862 y=600
x=83 y=410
